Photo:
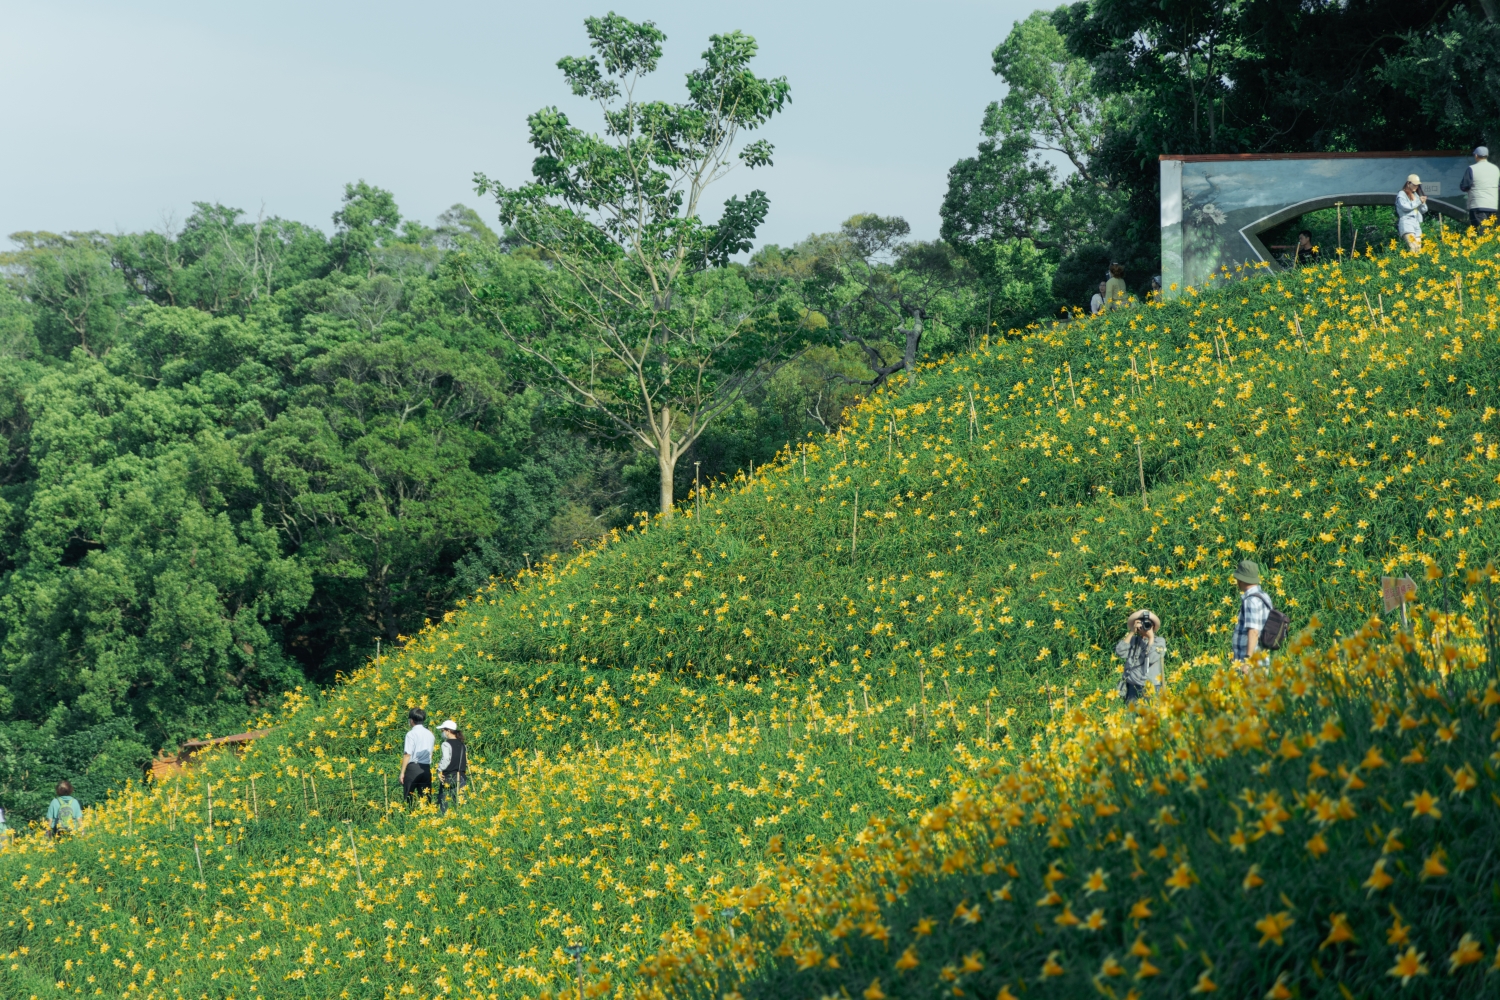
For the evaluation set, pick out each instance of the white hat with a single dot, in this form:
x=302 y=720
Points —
x=449 y=724
x=1413 y=179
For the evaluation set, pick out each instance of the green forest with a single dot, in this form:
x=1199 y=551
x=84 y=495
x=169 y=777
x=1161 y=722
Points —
x=237 y=453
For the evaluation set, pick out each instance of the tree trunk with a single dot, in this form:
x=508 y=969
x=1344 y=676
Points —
x=913 y=338
x=666 y=460
x=668 y=469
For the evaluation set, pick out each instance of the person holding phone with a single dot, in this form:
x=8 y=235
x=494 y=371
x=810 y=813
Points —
x=1411 y=205
x=1142 y=650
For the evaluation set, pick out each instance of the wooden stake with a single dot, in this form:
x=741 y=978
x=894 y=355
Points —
x=865 y=694
x=254 y=799
x=1069 y=368
x=304 y=791
x=854 y=533
x=1458 y=288
x=1152 y=355
x=1217 y=356
x=352 y=798
x=130 y=815
x=922 y=685
x=355 y=848
x=1140 y=465
x=1135 y=375
x=197 y=854
x=210 y=788
x=313 y=780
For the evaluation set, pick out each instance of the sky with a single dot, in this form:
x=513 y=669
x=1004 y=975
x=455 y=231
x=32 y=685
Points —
x=121 y=116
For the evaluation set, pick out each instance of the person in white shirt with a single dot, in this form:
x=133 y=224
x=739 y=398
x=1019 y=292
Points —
x=416 y=757
x=1411 y=205
x=1096 y=305
x=1482 y=184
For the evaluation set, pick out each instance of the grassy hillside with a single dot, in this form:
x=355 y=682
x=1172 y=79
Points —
x=1325 y=829
x=725 y=698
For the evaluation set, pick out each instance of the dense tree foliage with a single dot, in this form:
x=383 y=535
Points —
x=235 y=454
x=1102 y=88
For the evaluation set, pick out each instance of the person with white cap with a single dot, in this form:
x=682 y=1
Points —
x=1411 y=205
x=1142 y=650
x=453 y=765
x=1482 y=184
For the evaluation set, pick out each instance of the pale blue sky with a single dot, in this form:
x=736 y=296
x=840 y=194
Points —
x=120 y=116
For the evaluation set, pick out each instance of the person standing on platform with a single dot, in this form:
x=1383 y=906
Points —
x=1482 y=184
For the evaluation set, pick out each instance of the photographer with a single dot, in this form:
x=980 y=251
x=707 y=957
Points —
x=1142 y=650
x=1411 y=205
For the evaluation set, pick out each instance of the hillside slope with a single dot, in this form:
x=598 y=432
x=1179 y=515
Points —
x=696 y=702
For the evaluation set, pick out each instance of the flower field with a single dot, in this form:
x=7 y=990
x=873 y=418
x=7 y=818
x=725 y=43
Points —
x=700 y=746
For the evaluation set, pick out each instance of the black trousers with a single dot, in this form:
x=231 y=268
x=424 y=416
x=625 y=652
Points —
x=1478 y=215
x=449 y=785
x=416 y=779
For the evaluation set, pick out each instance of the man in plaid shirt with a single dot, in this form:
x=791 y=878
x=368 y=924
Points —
x=1255 y=606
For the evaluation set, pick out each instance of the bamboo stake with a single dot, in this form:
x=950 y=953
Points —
x=304 y=791
x=1135 y=375
x=1069 y=368
x=355 y=848
x=130 y=814
x=804 y=459
x=1458 y=288
x=1370 y=309
x=922 y=684
x=865 y=694
x=987 y=739
x=313 y=780
x=353 y=799
x=1300 y=339
x=385 y=786
x=1140 y=465
x=1152 y=355
x=1217 y=356
x=197 y=854
x=254 y=799
x=854 y=532
x=209 y=786
x=974 y=415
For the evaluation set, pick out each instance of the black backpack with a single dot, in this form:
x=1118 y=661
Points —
x=1274 y=632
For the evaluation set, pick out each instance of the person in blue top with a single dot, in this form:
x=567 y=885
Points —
x=1255 y=608
x=64 y=815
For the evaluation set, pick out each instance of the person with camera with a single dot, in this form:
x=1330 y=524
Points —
x=1411 y=205
x=1142 y=650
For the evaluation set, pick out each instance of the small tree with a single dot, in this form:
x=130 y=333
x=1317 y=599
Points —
x=638 y=332
x=875 y=289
